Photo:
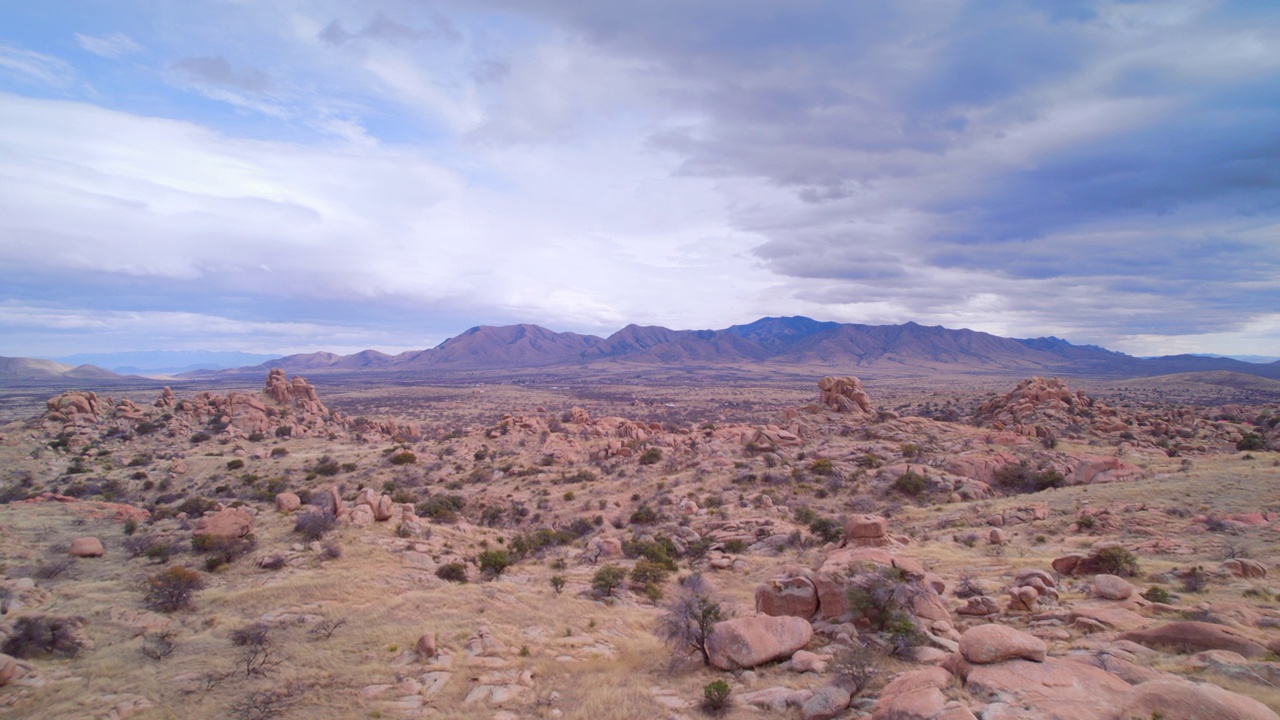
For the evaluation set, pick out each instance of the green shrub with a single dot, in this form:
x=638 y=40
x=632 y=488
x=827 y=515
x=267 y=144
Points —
x=827 y=529
x=715 y=696
x=911 y=483
x=607 y=578
x=644 y=515
x=279 y=452
x=453 y=572
x=493 y=562
x=1251 y=441
x=1118 y=561
x=404 y=458
x=235 y=464
x=557 y=583
x=1157 y=594
x=651 y=456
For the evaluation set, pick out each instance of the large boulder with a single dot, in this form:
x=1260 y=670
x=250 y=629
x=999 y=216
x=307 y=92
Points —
x=228 y=523
x=86 y=547
x=1194 y=636
x=1111 y=587
x=826 y=703
x=788 y=594
x=1050 y=690
x=1172 y=699
x=844 y=395
x=751 y=641
x=866 y=531
x=287 y=502
x=991 y=643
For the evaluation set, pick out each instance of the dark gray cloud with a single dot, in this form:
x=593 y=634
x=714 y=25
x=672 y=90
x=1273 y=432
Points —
x=218 y=71
x=383 y=28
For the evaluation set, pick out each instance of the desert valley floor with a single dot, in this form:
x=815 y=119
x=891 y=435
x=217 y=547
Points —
x=640 y=544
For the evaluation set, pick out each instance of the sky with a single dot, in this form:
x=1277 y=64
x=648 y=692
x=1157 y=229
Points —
x=290 y=176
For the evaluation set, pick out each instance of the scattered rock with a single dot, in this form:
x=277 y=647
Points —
x=1182 y=700
x=1111 y=587
x=86 y=547
x=992 y=643
x=228 y=523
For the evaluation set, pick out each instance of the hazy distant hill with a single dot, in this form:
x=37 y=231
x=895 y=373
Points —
x=37 y=369
x=796 y=341
x=165 y=362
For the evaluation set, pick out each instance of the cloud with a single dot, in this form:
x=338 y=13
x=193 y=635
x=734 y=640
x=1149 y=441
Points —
x=217 y=70
x=114 y=46
x=383 y=28
x=33 y=67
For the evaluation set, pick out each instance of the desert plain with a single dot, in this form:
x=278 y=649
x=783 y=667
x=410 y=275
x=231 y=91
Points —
x=547 y=544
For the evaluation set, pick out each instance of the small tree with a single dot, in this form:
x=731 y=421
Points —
x=689 y=619
x=557 y=583
x=171 y=589
x=607 y=578
x=493 y=562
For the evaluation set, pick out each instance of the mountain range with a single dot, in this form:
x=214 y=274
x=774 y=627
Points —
x=797 y=341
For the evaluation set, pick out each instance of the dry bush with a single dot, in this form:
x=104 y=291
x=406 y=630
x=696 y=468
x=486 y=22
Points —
x=171 y=589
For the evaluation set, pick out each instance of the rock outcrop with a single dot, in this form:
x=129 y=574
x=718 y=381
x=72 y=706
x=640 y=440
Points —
x=751 y=641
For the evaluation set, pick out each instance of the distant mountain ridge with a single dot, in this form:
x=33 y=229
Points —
x=781 y=340
x=38 y=369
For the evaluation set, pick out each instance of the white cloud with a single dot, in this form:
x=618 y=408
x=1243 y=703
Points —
x=115 y=45
x=35 y=67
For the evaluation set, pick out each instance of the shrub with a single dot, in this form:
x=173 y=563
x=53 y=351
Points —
x=196 y=506
x=827 y=529
x=493 y=562
x=651 y=456
x=557 y=583
x=715 y=696
x=607 y=578
x=332 y=550
x=1251 y=441
x=735 y=546
x=326 y=466
x=1157 y=594
x=911 y=483
x=404 y=458
x=856 y=666
x=42 y=635
x=453 y=572
x=279 y=452
x=250 y=635
x=1118 y=561
x=821 y=466
x=1023 y=478
x=171 y=589
x=685 y=625
x=644 y=515
x=313 y=525
x=235 y=464
x=647 y=573
x=130 y=526
x=1195 y=581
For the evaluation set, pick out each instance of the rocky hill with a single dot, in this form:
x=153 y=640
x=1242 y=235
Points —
x=791 y=341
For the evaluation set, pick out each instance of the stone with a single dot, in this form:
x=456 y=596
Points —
x=86 y=547
x=805 y=661
x=866 y=531
x=1111 y=587
x=979 y=606
x=384 y=509
x=913 y=695
x=228 y=523
x=776 y=698
x=992 y=643
x=426 y=647
x=844 y=395
x=287 y=502
x=1245 y=568
x=1171 y=699
x=1050 y=690
x=788 y=595
x=826 y=703
x=1194 y=636
x=751 y=641
x=8 y=669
